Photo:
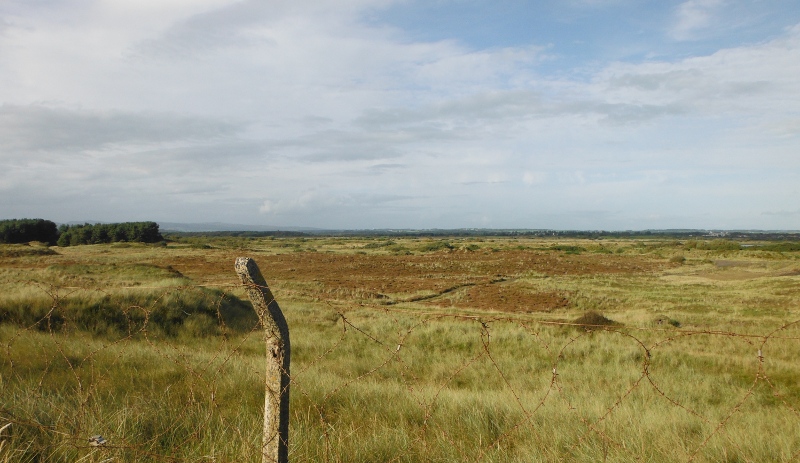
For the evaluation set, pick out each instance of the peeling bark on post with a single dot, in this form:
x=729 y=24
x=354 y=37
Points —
x=276 y=336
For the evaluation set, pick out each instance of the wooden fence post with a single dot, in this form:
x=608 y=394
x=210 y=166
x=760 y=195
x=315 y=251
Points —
x=276 y=335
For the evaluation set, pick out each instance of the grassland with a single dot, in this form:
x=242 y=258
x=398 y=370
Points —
x=404 y=349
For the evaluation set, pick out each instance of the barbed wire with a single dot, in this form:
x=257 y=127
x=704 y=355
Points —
x=58 y=387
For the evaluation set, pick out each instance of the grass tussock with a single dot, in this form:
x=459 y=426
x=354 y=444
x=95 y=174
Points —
x=592 y=320
x=187 y=311
x=25 y=250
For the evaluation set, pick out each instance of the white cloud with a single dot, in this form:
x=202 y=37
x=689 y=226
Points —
x=266 y=207
x=795 y=213
x=307 y=200
x=533 y=178
x=693 y=17
x=305 y=114
x=37 y=128
x=751 y=84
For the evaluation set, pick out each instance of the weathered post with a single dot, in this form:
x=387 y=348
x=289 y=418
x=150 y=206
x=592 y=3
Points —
x=276 y=335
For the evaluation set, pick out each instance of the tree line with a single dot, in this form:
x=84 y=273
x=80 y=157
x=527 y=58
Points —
x=25 y=230
x=46 y=231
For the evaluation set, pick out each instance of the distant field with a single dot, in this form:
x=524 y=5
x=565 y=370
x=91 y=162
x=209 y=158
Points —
x=405 y=349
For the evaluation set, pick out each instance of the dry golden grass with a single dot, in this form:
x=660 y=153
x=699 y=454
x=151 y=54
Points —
x=407 y=350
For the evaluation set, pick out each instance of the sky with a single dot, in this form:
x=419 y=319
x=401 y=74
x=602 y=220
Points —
x=372 y=114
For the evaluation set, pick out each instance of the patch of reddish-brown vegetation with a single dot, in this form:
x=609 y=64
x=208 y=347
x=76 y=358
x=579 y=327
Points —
x=402 y=277
x=504 y=298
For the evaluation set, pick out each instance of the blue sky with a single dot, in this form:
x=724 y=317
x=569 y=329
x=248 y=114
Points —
x=571 y=114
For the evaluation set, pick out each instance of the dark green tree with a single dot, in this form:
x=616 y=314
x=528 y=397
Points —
x=25 y=230
x=143 y=232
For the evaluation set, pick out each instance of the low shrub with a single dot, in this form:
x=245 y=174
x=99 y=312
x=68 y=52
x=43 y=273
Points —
x=592 y=320
x=662 y=320
x=713 y=245
x=568 y=248
x=785 y=246
x=378 y=244
x=436 y=246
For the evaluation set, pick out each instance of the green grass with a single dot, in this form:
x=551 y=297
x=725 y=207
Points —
x=177 y=310
x=677 y=378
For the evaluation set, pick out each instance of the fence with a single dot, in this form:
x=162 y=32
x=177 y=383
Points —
x=176 y=373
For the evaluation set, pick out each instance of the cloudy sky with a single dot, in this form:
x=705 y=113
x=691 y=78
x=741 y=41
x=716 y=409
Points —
x=566 y=114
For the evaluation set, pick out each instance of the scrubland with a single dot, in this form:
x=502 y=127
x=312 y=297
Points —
x=405 y=349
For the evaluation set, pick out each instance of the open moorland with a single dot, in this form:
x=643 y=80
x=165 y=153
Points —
x=405 y=349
